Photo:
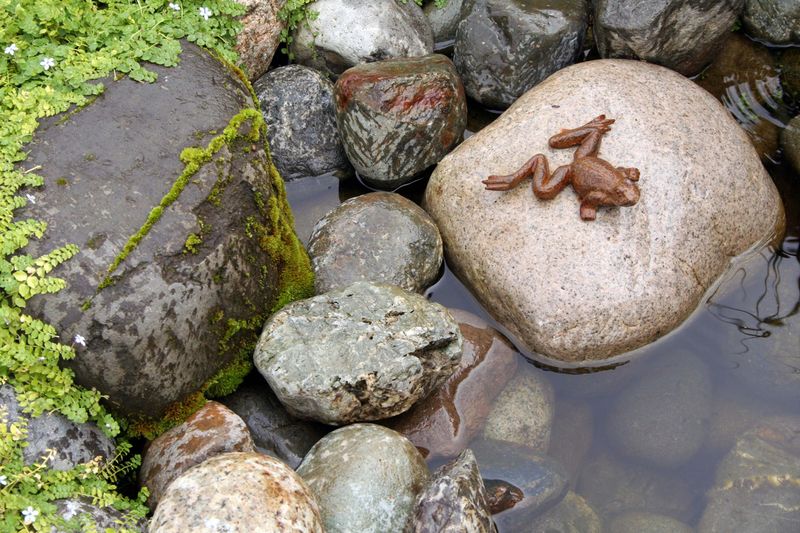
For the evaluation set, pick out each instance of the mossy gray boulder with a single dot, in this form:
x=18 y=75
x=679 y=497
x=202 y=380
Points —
x=186 y=238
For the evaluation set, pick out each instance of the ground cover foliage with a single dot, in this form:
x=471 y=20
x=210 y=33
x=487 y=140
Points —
x=51 y=52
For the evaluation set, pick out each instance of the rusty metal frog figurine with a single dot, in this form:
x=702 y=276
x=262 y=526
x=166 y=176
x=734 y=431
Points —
x=596 y=181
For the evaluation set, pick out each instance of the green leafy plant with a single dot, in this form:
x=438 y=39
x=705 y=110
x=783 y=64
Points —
x=52 y=51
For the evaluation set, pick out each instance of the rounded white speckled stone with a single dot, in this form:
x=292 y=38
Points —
x=366 y=479
x=237 y=493
x=577 y=291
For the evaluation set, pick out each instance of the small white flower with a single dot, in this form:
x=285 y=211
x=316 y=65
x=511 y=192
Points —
x=41 y=359
x=47 y=62
x=3 y=480
x=72 y=510
x=174 y=6
x=30 y=515
x=31 y=198
x=80 y=339
x=10 y=49
x=205 y=12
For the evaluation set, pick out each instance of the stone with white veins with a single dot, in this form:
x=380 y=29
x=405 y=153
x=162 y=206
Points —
x=365 y=352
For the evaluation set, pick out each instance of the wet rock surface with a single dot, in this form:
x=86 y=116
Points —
x=346 y=33
x=790 y=71
x=790 y=142
x=523 y=412
x=505 y=47
x=520 y=482
x=275 y=432
x=297 y=103
x=757 y=487
x=444 y=20
x=145 y=339
x=365 y=352
x=212 y=430
x=640 y=522
x=744 y=77
x=774 y=21
x=71 y=443
x=443 y=423
x=365 y=478
x=399 y=117
x=636 y=488
x=571 y=515
x=260 y=35
x=683 y=36
x=455 y=500
x=379 y=237
x=578 y=291
x=663 y=419
x=237 y=492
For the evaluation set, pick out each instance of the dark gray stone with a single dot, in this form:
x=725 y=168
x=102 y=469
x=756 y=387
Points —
x=73 y=443
x=154 y=334
x=90 y=517
x=455 y=500
x=641 y=522
x=679 y=34
x=398 y=117
x=757 y=488
x=612 y=487
x=790 y=71
x=571 y=515
x=520 y=482
x=366 y=478
x=444 y=20
x=381 y=237
x=505 y=47
x=365 y=352
x=350 y=32
x=297 y=103
x=774 y=21
x=790 y=142
x=663 y=419
x=274 y=431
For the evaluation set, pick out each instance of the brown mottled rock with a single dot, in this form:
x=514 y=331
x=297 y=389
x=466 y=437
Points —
x=442 y=424
x=757 y=487
x=237 y=493
x=523 y=412
x=260 y=35
x=582 y=292
x=398 y=117
x=212 y=430
x=455 y=501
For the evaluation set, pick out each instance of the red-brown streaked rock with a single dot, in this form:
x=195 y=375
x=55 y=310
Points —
x=237 y=492
x=398 y=117
x=212 y=430
x=442 y=424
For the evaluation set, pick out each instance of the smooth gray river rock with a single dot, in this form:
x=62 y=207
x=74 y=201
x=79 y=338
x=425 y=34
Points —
x=444 y=20
x=350 y=32
x=571 y=515
x=151 y=332
x=455 y=500
x=642 y=522
x=380 y=237
x=580 y=292
x=663 y=418
x=520 y=482
x=398 y=117
x=297 y=103
x=72 y=443
x=757 y=488
x=275 y=432
x=773 y=21
x=366 y=478
x=505 y=47
x=237 y=492
x=681 y=35
x=365 y=352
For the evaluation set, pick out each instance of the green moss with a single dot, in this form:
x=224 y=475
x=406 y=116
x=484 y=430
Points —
x=193 y=158
x=62 y=182
x=89 y=156
x=193 y=241
x=86 y=305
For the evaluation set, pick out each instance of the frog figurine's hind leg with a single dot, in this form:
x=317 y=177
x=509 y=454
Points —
x=587 y=136
x=535 y=166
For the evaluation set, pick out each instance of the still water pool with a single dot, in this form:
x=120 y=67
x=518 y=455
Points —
x=744 y=340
